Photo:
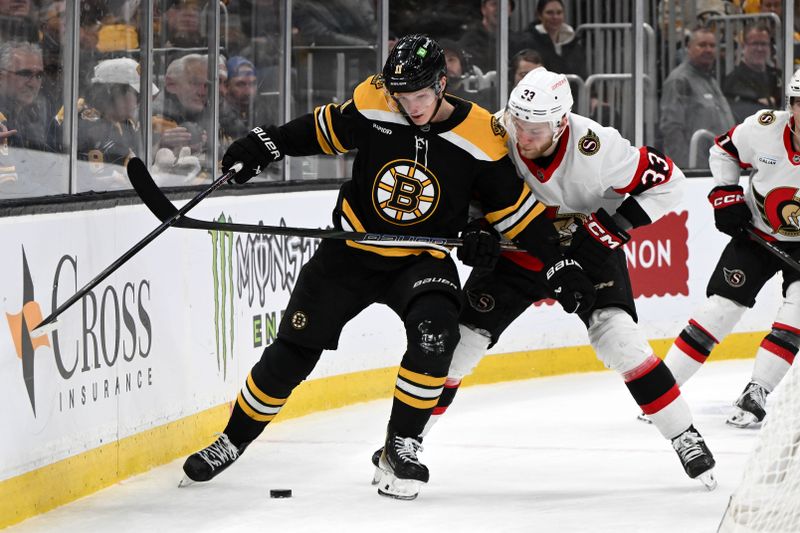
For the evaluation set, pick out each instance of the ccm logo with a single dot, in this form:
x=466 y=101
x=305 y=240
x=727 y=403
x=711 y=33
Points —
x=600 y=233
x=262 y=135
x=734 y=198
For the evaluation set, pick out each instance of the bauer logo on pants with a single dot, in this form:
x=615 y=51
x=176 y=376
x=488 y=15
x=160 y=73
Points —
x=405 y=192
x=734 y=277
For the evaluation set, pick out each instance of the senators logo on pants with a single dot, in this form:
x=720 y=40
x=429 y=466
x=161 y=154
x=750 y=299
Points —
x=405 y=192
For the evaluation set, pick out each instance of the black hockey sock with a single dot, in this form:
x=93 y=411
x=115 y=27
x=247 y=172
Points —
x=432 y=334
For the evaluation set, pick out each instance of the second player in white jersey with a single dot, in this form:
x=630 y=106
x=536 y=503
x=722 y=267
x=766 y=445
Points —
x=768 y=145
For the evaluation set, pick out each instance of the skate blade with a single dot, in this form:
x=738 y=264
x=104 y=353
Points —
x=741 y=419
x=376 y=477
x=185 y=482
x=644 y=418
x=392 y=486
x=708 y=480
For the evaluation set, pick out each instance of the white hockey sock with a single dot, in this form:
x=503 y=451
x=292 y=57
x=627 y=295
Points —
x=769 y=368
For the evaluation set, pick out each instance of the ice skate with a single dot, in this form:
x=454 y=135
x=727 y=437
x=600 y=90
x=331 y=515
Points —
x=210 y=461
x=695 y=457
x=642 y=417
x=401 y=473
x=376 y=457
x=750 y=408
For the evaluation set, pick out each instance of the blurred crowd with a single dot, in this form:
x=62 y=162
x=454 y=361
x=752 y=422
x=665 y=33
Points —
x=717 y=61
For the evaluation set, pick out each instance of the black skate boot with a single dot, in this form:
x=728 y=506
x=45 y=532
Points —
x=376 y=457
x=695 y=457
x=750 y=408
x=401 y=472
x=210 y=461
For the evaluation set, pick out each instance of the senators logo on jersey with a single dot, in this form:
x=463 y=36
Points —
x=766 y=118
x=405 y=192
x=780 y=210
x=589 y=144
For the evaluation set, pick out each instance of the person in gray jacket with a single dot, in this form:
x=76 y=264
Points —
x=692 y=100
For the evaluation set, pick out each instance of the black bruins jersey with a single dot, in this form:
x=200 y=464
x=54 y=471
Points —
x=409 y=180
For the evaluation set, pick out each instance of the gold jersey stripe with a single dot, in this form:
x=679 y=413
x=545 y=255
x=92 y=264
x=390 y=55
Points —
x=421 y=379
x=323 y=143
x=261 y=396
x=414 y=402
x=477 y=130
x=494 y=216
x=368 y=96
x=331 y=131
x=522 y=224
x=351 y=216
x=252 y=413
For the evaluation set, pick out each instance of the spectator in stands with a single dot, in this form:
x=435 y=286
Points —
x=480 y=39
x=183 y=28
x=108 y=126
x=523 y=62
x=692 y=100
x=16 y=21
x=753 y=84
x=237 y=105
x=555 y=40
x=462 y=80
x=25 y=110
x=181 y=116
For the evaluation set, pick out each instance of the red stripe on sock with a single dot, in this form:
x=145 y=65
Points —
x=691 y=352
x=663 y=401
x=704 y=330
x=452 y=383
x=787 y=327
x=438 y=410
x=780 y=351
x=649 y=364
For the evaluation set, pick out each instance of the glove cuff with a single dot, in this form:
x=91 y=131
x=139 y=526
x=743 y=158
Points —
x=726 y=196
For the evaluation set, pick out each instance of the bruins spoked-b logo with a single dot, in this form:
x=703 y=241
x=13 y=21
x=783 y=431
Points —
x=589 y=144
x=405 y=192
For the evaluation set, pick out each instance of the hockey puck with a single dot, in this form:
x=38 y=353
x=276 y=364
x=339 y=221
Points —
x=280 y=493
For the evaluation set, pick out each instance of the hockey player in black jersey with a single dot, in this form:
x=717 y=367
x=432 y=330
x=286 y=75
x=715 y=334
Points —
x=422 y=156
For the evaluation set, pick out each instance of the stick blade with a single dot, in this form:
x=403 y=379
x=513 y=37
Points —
x=148 y=191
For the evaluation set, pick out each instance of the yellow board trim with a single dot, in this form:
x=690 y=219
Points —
x=48 y=487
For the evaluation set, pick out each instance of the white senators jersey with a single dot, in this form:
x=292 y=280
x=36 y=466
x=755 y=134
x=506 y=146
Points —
x=763 y=144
x=594 y=167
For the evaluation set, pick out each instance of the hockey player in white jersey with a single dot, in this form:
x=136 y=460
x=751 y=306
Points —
x=768 y=144
x=597 y=187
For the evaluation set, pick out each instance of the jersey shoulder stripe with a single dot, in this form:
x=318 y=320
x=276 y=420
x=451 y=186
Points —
x=513 y=219
x=370 y=100
x=481 y=134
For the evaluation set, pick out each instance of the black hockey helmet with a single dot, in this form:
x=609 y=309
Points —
x=416 y=62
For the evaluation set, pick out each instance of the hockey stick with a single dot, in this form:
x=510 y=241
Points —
x=163 y=209
x=774 y=250
x=135 y=168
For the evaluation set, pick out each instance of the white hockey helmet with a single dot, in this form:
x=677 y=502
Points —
x=541 y=96
x=793 y=87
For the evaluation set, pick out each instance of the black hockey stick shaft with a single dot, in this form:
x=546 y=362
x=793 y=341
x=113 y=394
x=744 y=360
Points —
x=774 y=250
x=136 y=168
x=163 y=209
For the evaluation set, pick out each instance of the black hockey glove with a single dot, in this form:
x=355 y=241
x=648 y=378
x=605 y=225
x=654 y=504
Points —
x=570 y=285
x=596 y=239
x=731 y=214
x=481 y=246
x=255 y=150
